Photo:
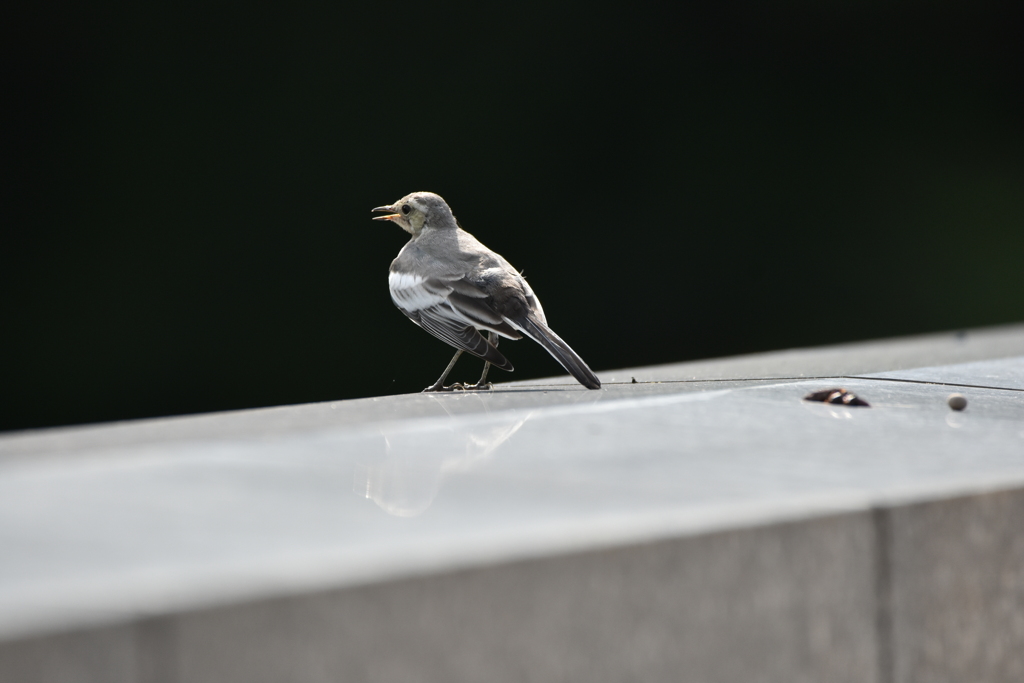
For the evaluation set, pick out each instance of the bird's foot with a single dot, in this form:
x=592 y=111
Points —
x=486 y=386
x=458 y=386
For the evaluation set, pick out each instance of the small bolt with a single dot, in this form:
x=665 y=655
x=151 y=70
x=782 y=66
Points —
x=957 y=401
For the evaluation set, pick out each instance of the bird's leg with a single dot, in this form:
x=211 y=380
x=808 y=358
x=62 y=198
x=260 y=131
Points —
x=492 y=337
x=480 y=384
x=439 y=384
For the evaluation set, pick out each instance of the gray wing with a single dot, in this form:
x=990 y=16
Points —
x=452 y=310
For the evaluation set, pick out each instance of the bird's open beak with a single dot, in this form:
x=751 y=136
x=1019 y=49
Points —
x=390 y=209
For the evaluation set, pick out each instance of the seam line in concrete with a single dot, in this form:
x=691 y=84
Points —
x=779 y=379
x=882 y=521
x=924 y=381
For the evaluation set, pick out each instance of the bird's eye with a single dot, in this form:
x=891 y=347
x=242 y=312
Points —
x=406 y=209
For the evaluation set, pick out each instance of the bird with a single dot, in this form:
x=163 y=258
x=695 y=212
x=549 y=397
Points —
x=454 y=287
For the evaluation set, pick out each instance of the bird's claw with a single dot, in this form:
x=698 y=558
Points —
x=458 y=386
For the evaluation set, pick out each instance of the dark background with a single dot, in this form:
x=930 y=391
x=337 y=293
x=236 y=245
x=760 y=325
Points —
x=186 y=189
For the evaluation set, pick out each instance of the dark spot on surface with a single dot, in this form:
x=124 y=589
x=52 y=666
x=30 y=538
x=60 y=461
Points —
x=840 y=395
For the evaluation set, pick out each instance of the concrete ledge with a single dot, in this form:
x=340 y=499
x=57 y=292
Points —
x=958 y=588
x=742 y=605
x=716 y=530
x=840 y=360
x=791 y=602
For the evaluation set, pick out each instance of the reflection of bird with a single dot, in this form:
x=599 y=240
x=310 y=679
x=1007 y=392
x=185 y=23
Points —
x=407 y=475
x=453 y=286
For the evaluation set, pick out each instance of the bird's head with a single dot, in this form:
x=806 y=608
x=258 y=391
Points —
x=417 y=211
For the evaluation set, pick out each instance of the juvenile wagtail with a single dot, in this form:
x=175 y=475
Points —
x=454 y=287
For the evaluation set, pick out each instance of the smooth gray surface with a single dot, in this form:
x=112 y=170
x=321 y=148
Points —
x=118 y=532
x=986 y=373
x=832 y=361
x=791 y=603
x=958 y=589
x=225 y=543
x=95 y=655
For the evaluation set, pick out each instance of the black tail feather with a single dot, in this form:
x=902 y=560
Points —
x=559 y=350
